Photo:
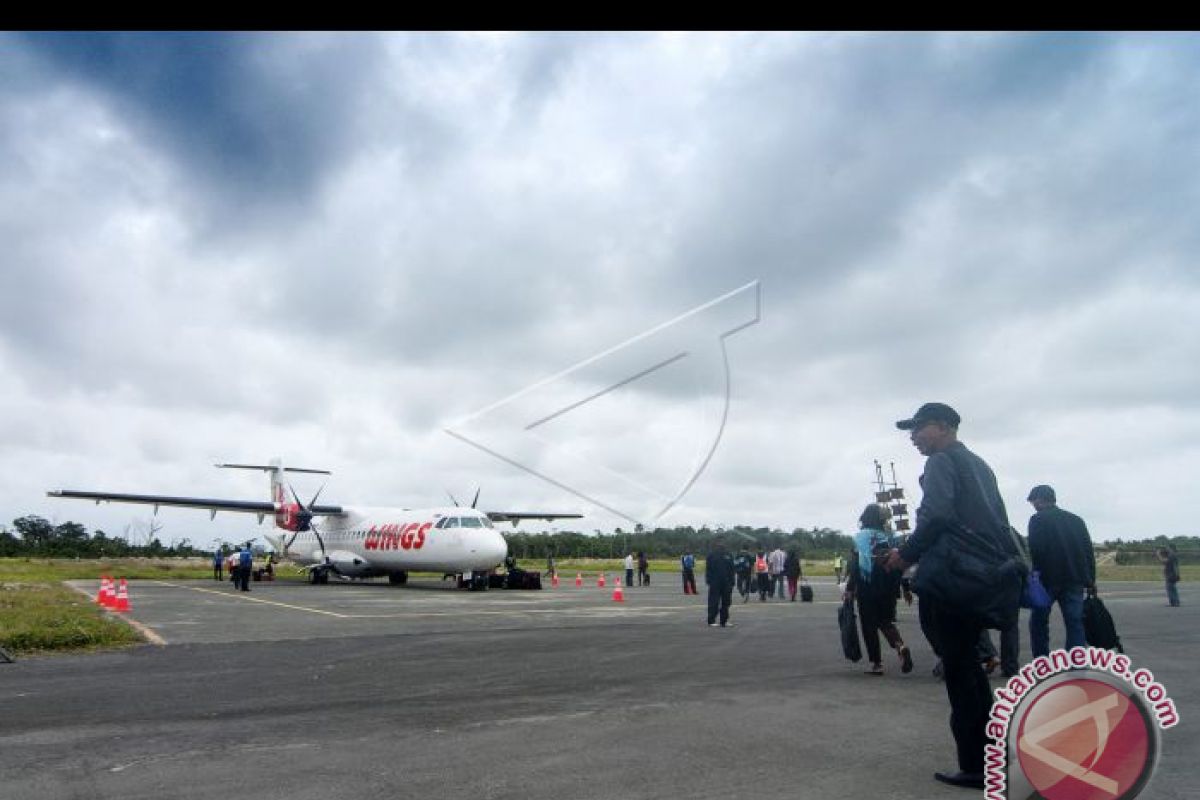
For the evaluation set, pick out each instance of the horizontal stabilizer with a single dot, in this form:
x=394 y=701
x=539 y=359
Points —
x=269 y=467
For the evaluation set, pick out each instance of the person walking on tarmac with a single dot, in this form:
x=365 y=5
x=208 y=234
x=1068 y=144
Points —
x=643 y=569
x=959 y=493
x=719 y=576
x=762 y=575
x=1061 y=549
x=792 y=571
x=743 y=565
x=245 y=567
x=775 y=562
x=876 y=590
x=629 y=570
x=688 y=564
x=218 y=565
x=838 y=566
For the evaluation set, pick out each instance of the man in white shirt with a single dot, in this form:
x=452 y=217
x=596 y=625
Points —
x=775 y=563
x=629 y=570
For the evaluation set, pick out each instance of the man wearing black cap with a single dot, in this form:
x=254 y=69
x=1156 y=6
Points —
x=959 y=492
x=1061 y=550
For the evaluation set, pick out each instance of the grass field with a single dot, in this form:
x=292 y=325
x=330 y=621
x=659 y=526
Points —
x=47 y=617
x=40 y=615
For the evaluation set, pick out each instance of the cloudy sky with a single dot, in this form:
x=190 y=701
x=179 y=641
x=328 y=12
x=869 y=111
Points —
x=331 y=247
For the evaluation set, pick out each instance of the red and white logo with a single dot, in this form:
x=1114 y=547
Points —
x=1085 y=739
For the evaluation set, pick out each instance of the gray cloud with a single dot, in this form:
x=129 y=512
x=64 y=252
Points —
x=328 y=246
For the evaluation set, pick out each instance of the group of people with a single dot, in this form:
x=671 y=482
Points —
x=643 y=569
x=766 y=573
x=961 y=508
x=241 y=566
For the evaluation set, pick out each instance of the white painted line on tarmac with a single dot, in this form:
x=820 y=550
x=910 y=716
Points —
x=144 y=630
x=241 y=596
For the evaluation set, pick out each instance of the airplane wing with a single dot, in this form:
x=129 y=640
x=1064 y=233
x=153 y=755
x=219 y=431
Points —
x=211 y=504
x=516 y=516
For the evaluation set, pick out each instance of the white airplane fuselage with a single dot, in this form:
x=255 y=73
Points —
x=367 y=542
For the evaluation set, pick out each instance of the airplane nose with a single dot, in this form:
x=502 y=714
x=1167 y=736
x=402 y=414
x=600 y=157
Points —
x=497 y=549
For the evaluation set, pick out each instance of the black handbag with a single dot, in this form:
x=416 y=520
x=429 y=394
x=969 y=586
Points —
x=849 y=625
x=975 y=574
x=1098 y=626
x=971 y=575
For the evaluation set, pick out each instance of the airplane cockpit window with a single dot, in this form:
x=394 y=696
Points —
x=441 y=523
x=451 y=522
x=471 y=522
x=487 y=523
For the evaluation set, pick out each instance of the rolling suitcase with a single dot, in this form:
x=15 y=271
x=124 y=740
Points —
x=806 y=593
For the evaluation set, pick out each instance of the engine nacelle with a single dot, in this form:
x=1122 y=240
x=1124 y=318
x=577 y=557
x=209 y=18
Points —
x=349 y=564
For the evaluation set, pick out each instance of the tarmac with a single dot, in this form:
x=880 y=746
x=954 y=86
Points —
x=364 y=690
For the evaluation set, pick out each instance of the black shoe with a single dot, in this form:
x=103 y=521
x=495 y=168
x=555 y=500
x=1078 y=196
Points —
x=967 y=780
x=906 y=664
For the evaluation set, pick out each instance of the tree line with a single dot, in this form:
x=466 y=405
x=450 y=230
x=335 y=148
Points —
x=813 y=543
x=36 y=536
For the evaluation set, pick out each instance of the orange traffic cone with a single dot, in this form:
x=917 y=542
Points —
x=110 y=599
x=554 y=580
x=122 y=602
x=105 y=591
x=578 y=580
x=618 y=594
x=600 y=580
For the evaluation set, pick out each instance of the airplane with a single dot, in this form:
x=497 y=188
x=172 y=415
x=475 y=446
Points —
x=360 y=542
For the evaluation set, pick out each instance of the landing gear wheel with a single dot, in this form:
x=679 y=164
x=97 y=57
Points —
x=398 y=578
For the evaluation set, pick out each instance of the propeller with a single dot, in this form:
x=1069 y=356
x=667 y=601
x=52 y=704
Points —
x=454 y=499
x=304 y=518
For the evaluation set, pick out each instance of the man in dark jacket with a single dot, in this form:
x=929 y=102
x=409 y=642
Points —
x=743 y=566
x=1170 y=562
x=719 y=575
x=959 y=492
x=1061 y=550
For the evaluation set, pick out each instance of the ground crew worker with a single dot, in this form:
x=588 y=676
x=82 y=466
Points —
x=838 y=566
x=245 y=566
x=218 y=564
x=688 y=563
